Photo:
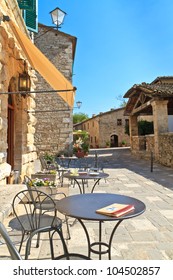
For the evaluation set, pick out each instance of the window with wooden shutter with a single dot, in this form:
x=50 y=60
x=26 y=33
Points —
x=26 y=4
x=31 y=18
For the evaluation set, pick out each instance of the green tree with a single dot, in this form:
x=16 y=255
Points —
x=123 y=101
x=79 y=117
x=145 y=127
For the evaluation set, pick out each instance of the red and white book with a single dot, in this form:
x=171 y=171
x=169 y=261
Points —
x=116 y=210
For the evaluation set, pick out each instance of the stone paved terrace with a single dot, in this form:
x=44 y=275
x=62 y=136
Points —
x=146 y=237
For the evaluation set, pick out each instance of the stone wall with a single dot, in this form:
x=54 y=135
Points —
x=143 y=146
x=54 y=129
x=166 y=149
x=21 y=125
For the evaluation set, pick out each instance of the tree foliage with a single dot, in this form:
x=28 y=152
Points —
x=144 y=128
x=123 y=101
x=79 y=117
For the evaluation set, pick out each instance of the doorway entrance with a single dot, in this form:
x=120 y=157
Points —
x=114 y=140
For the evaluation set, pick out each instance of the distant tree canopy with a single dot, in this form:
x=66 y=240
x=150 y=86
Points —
x=79 y=117
x=123 y=101
x=144 y=128
x=123 y=104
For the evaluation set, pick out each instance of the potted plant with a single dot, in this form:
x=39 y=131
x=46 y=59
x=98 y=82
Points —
x=49 y=158
x=44 y=184
x=123 y=143
x=51 y=175
x=81 y=145
x=107 y=144
x=85 y=148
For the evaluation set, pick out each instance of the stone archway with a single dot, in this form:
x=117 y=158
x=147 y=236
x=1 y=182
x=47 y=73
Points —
x=114 y=140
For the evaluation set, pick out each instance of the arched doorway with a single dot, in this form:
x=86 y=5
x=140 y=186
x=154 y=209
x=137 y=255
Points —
x=114 y=140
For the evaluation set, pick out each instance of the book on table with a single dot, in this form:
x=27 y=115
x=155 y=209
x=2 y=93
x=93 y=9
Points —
x=116 y=209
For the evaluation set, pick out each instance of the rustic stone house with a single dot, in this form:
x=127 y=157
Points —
x=154 y=100
x=18 y=54
x=54 y=128
x=106 y=129
x=17 y=150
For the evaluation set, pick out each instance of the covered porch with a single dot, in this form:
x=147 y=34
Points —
x=154 y=103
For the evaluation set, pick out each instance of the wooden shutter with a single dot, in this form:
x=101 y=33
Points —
x=31 y=18
x=26 y=4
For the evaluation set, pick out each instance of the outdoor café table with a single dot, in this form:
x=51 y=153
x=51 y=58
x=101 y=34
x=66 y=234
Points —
x=82 y=177
x=62 y=160
x=84 y=206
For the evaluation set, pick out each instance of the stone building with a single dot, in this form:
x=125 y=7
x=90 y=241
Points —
x=17 y=150
x=154 y=100
x=106 y=129
x=54 y=128
x=18 y=55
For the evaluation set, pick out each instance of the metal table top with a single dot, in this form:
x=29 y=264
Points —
x=86 y=176
x=84 y=206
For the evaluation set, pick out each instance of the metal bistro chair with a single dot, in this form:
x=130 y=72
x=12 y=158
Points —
x=32 y=216
x=47 y=165
x=15 y=255
x=47 y=205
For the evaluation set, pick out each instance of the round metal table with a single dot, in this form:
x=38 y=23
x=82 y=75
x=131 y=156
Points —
x=84 y=206
x=84 y=177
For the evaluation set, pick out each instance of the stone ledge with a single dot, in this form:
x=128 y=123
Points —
x=7 y=194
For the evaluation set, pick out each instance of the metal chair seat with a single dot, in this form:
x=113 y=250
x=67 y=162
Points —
x=46 y=205
x=30 y=224
x=31 y=218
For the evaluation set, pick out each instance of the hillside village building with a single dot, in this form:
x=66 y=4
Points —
x=106 y=129
x=154 y=100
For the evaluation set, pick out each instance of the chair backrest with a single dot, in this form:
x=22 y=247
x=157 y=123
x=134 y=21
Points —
x=11 y=248
x=30 y=186
x=32 y=211
x=28 y=183
x=43 y=162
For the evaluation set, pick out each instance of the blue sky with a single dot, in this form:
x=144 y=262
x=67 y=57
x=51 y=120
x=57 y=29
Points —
x=119 y=43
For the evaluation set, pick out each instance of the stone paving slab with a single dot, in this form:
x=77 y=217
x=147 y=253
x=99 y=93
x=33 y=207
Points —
x=146 y=237
x=149 y=236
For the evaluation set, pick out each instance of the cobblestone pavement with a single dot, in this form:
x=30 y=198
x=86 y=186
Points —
x=146 y=237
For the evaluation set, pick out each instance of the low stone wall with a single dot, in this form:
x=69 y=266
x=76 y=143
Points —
x=143 y=146
x=6 y=198
x=166 y=149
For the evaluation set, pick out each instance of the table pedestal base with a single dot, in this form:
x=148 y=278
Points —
x=100 y=244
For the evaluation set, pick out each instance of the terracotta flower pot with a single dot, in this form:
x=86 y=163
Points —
x=80 y=154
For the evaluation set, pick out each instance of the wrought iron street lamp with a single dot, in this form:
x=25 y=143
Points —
x=78 y=103
x=57 y=17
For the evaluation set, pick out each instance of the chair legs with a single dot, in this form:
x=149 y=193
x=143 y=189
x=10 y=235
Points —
x=60 y=233
x=68 y=230
x=21 y=242
x=51 y=231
